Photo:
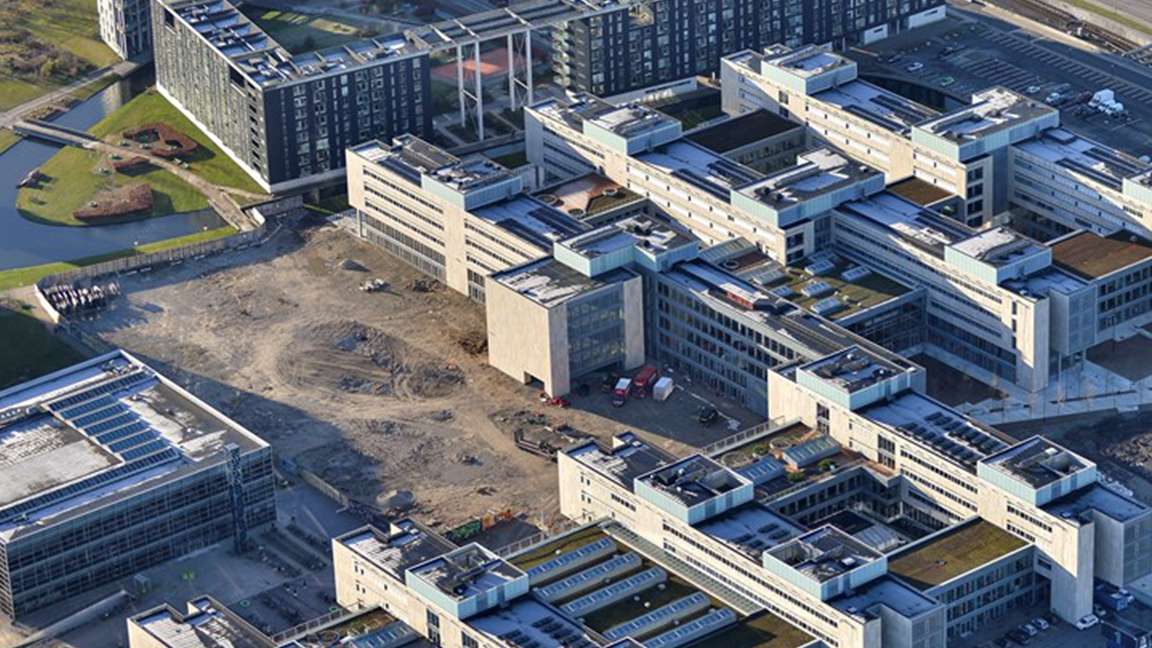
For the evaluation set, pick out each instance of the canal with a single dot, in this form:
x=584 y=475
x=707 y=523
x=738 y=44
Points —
x=25 y=243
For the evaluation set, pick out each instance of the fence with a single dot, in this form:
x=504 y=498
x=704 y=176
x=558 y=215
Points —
x=523 y=543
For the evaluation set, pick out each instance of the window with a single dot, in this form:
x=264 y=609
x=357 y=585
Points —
x=468 y=640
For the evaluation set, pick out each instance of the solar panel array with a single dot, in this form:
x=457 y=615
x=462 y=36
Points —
x=953 y=437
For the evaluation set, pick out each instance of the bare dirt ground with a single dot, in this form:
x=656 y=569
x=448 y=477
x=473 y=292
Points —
x=376 y=393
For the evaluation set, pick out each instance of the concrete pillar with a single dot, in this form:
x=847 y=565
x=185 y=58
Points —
x=460 y=84
x=479 y=93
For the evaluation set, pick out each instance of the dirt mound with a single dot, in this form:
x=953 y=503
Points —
x=352 y=358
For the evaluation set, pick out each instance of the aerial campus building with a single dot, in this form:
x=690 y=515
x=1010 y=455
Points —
x=866 y=514
x=904 y=192
x=110 y=468
x=287 y=118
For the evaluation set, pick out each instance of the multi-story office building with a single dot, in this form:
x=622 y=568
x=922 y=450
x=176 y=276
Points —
x=285 y=119
x=1121 y=267
x=962 y=152
x=126 y=27
x=110 y=468
x=760 y=140
x=653 y=43
x=458 y=220
x=639 y=288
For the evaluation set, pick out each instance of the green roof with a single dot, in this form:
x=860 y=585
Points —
x=953 y=553
x=855 y=295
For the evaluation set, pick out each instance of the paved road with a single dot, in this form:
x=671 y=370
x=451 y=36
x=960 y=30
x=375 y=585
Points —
x=122 y=69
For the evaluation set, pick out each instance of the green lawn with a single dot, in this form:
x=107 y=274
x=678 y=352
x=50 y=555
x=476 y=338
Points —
x=30 y=275
x=300 y=33
x=209 y=162
x=75 y=179
x=952 y=554
x=8 y=139
x=70 y=25
x=28 y=349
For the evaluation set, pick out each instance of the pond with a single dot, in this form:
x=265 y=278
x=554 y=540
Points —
x=25 y=243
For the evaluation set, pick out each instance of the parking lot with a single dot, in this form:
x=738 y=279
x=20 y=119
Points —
x=1060 y=635
x=965 y=54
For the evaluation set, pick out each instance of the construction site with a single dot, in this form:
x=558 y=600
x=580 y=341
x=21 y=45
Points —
x=383 y=394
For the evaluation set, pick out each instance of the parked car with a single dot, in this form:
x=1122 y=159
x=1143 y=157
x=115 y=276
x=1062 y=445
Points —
x=1030 y=629
x=620 y=394
x=708 y=415
x=1087 y=621
x=1019 y=636
x=1100 y=611
x=947 y=81
x=645 y=378
x=1032 y=89
x=915 y=67
x=1051 y=618
x=948 y=50
x=1041 y=624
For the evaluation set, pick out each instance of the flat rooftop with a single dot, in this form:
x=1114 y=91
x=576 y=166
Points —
x=952 y=553
x=750 y=528
x=531 y=623
x=921 y=227
x=741 y=131
x=919 y=191
x=874 y=104
x=637 y=231
x=587 y=196
x=854 y=369
x=100 y=431
x=998 y=246
x=1092 y=256
x=623 y=463
x=1096 y=498
x=466 y=572
x=936 y=426
x=1037 y=462
x=531 y=220
x=886 y=591
x=406 y=544
x=817 y=173
x=992 y=110
x=209 y=626
x=411 y=157
x=549 y=282
x=825 y=553
x=809 y=60
x=701 y=168
x=1080 y=155
x=693 y=480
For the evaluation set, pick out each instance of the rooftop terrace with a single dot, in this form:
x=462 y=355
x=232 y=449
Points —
x=1092 y=256
x=953 y=552
x=100 y=431
x=587 y=196
x=1101 y=163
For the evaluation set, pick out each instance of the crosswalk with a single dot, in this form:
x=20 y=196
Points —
x=1072 y=69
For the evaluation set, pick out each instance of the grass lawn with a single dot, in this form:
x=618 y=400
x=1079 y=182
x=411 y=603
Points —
x=8 y=139
x=30 y=275
x=208 y=161
x=68 y=24
x=300 y=33
x=74 y=180
x=28 y=349
x=564 y=544
x=764 y=631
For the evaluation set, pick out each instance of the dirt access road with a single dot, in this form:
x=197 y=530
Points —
x=374 y=392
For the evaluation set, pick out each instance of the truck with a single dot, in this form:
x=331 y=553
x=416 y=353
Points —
x=645 y=378
x=620 y=394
